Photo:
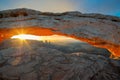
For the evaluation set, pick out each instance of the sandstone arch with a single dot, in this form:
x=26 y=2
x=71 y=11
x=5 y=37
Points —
x=96 y=29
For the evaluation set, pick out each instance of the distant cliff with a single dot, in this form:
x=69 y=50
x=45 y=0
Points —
x=28 y=12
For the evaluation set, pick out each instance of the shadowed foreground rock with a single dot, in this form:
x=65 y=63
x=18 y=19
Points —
x=31 y=60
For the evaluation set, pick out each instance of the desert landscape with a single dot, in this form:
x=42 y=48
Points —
x=38 y=45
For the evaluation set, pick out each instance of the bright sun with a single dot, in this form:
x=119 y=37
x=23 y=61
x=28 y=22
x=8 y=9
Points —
x=53 y=38
x=26 y=36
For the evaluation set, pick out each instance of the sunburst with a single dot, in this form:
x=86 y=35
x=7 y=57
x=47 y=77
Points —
x=26 y=37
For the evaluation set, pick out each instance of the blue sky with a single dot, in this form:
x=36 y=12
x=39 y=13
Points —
x=108 y=7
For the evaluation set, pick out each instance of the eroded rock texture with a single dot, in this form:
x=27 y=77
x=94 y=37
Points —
x=96 y=29
x=32 y=60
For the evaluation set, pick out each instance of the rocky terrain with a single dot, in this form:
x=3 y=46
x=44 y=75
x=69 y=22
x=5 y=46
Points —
x=34 y=60
x=99 y=30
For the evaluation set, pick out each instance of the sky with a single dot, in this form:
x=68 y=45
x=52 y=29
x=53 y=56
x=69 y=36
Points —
x=107 y=7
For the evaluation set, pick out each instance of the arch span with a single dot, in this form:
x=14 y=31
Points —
x=40 y=31
x=96 y=29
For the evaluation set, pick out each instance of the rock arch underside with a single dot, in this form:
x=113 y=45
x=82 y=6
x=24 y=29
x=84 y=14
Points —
x=96 y=29
x=18 y=61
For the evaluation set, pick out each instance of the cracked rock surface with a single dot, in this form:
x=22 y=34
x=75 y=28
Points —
x=33 y=60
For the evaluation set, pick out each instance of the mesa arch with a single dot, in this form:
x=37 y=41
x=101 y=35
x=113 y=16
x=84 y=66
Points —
x=96 y=29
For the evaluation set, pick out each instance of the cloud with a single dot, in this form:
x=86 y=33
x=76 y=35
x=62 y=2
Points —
x=47 y=5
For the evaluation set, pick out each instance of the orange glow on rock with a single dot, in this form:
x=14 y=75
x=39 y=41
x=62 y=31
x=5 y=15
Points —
x=7 y=33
